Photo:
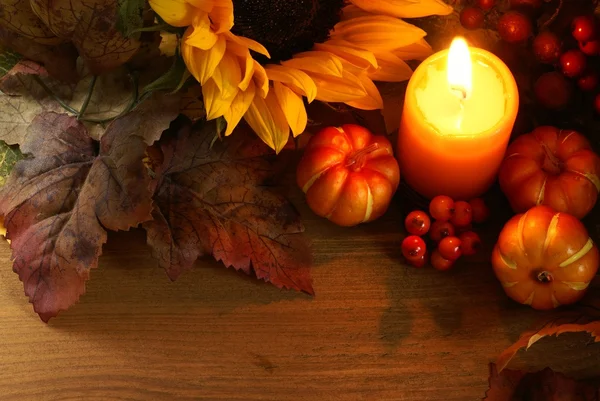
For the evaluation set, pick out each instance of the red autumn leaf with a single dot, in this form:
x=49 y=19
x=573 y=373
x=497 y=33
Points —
x=584 y=317
x=59 y=202
x=546 y=385
x=91 y=25
x=212 y=200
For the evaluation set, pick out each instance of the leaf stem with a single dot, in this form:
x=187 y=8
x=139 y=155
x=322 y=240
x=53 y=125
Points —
x=54 y=95
x=86 y=102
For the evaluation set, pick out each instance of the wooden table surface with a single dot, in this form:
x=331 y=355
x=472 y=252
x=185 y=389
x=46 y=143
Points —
x=376 y=330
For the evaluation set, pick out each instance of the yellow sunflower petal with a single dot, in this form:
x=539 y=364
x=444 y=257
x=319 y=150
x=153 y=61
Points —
x=203 y=5
x=239 y=107
x=201 y=35
x=222 y=17
x=214 y=102
x=316 y=61
x=405 y=8
x=261 y=80
x=228 y=75
x=360 y=58
x=377 y=33
x=419 y=50
x=351 y=11
x=336 y=89
x=268 y=121
x=202 y=63
x=249 y=43
x=291 y=76
x=248 y=71
x=174 y=12
x=293 y=107
x=372 y=101
x=391 y=69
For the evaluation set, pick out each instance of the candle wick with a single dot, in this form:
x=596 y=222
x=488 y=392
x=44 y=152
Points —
x=460 y=92
x=461 y=114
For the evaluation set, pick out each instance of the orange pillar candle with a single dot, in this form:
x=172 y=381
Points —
x=459 y=111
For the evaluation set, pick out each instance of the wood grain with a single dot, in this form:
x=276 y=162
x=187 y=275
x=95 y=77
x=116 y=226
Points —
x=376 y=330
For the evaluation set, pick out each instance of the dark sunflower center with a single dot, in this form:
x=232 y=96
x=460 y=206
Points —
x=285 y=27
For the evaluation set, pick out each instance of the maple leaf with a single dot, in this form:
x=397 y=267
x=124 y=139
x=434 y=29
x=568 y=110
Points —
x=91 y=25
x=513 y=385
x=585 y=317
x=59 y=202
x=9 y=156
x=212 y=200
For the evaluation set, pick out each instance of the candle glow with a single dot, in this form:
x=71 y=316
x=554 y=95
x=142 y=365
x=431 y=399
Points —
x=459 y=110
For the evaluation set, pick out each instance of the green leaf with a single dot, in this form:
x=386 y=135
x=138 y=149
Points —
x=172 y=80
x=9 y=156
x=8 y=59
x=130 y=19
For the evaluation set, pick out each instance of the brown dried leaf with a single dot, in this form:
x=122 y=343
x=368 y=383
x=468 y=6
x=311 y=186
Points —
x=585 y=317
x=59 y=60
x=92 y=27
x=546 y=385
x=17 y=16
x=59 y=202
x=210 y=199
x=192 y=105
x=22 y=99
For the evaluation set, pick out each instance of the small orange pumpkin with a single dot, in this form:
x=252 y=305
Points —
x=545 y=259
x=551 y=167
x=348 y=174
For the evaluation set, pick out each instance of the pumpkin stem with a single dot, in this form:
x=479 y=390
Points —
x=545 y=277
x=357 y=160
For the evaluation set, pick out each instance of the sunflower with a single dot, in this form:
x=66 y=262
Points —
x=262 y=60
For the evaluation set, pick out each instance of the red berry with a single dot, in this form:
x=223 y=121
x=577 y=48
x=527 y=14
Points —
x=588 y=81
x=471 y=18
x=573 y=63
x=514 y=27
x=441 y=208
x=546 y=47
x=439 y=262
x=463 y=214
x=413 y=247
x=481 y=212
x=440 y=230
x=584 y=28
x=470 y=243
x=486 y=5
x=417 y=223
x=449 y=248
x=597 y=103
x=419 y=262
x=553 y=91
x=591 y=48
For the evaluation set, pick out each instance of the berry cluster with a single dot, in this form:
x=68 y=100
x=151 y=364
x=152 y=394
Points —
x=450 y=233
x=573 y=60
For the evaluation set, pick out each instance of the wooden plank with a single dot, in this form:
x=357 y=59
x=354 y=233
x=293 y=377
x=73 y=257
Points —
x=376 y=330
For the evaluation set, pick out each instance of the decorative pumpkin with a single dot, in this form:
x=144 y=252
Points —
x=348 y=175
x=545 y=259
x=551 y=167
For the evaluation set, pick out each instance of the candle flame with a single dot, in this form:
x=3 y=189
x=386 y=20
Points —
x=460 y=69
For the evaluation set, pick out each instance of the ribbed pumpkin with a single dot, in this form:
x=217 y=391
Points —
x=545 y=259
x=551 y=167
x=348 y=174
